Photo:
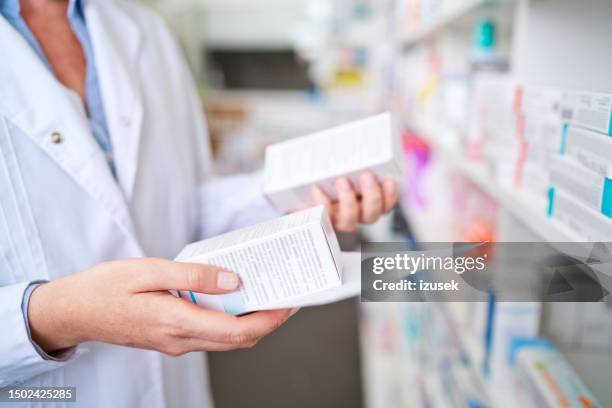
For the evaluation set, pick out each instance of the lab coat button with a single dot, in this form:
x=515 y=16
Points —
x=57 y=138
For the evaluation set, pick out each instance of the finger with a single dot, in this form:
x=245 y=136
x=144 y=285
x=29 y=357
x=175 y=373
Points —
x=161 y=274
x=347 y=212
x=390 y=194
x=221 y=327
x=371 y=198
x=321 y=198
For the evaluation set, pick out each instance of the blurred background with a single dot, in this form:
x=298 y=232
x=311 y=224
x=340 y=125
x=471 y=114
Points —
x=484 y=95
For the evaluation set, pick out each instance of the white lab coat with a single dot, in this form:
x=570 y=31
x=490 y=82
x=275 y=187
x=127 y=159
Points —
x=61 y=210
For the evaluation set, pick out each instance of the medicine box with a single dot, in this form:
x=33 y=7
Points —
x=539 y=101
x=509 y=320
x=490 y=117
x=548 y=378
x=292 y=167
x=590 y=225
x=591 y=149
x=279 y=260
x=582 y=184
x=543 y=133
x=588 y=109
x=534 y=179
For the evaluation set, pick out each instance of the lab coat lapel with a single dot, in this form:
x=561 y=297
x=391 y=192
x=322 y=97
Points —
x=116 y=41
x=54 y=118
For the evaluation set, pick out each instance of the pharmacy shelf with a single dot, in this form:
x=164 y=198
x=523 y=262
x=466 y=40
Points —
x=463 y=11
x=519 y=204
x=469 y=343
x=473 y=348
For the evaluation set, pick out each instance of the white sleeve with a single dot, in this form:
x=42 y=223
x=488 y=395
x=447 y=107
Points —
x=20 y=360
x=234 y=202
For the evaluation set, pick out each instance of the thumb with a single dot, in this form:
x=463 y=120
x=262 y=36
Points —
x=162 y=274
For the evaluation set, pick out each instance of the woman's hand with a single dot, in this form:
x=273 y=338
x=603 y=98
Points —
x=127 y=303
x=376 y=199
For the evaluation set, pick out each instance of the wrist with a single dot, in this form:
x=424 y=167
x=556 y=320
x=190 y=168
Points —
x=48 y=319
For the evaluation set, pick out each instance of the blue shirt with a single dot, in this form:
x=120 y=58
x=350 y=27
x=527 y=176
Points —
x=10 y=10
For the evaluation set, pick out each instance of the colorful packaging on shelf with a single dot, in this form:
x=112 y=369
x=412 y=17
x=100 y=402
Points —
x=278 y=260
x=548 y=378
x=291 y=167
x=538 y=101
x=491 y=116
x=591 y=149
x=589 y=109
x=590 y=225
x=583 y=184
x=509 y=321
x=475 y=213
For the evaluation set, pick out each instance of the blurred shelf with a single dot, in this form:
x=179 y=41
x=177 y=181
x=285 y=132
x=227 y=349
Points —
x=519 y=204
x=522 y=205
x=468 y=342
x=467 y=10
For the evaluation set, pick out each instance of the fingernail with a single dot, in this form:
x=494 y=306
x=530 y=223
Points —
x=294 y=311
x=369 y=180
x=343 y=185
x=227 y=280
